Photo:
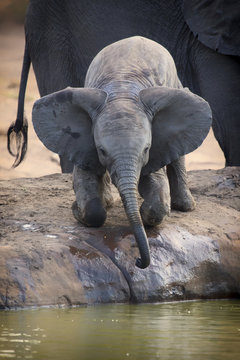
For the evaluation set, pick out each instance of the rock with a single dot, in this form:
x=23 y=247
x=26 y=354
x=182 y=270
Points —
x=47 y=258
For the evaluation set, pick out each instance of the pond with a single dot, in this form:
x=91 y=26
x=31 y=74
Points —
x=182 y=330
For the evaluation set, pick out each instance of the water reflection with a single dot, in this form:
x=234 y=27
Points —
x=193 y=330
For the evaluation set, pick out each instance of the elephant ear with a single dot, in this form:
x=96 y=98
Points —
x=63 y=122
x=214 y=23
x=180 y=122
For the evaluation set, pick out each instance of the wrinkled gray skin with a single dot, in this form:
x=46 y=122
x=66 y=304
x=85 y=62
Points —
x=130 y=120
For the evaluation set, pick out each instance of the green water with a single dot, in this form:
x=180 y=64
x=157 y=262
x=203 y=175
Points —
x=185 y=330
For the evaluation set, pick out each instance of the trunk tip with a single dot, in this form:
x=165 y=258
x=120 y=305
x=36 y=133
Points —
x=142 y=264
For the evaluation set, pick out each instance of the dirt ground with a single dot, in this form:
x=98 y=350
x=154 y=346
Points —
x=39 y=161
x=48 y=258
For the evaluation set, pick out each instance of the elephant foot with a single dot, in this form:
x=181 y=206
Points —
x=181 y=197
x=93 y=215
x=153 y=213
x=154 y=189
x=183 y=201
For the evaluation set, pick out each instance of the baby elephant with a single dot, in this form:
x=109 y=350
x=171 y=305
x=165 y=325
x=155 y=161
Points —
x=132 y=118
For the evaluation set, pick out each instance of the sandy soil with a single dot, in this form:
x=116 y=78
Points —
x=39 y=161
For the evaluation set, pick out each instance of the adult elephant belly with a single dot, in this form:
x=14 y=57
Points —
x=64 y=37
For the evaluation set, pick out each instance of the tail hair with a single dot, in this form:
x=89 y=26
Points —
x=17 y=133
x=17 y=137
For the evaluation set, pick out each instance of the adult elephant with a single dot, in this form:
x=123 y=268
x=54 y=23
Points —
x=62 y=37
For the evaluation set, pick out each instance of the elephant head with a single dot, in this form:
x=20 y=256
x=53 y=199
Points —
x=125 y=136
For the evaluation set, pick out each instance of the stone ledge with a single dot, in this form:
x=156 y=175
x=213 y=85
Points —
x=47 y=258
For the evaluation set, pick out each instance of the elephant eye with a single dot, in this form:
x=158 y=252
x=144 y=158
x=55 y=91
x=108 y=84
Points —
x=146 y=149
x=102 y=151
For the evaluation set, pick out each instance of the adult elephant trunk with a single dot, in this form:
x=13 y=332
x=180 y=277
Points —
x=126 y=180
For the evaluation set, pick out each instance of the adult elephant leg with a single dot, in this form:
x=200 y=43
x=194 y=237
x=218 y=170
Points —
x=218 y=79
x=93 y=196
x=181 y=197
x=154 y=189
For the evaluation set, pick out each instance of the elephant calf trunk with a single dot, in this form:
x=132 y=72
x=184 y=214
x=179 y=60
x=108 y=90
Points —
x=141 y=238
x=129 y=198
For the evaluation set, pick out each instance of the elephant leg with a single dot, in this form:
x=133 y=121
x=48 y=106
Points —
x=217 y=76
x=93 y=196
x=154 y=189
x=66 y=164
x=181 y=197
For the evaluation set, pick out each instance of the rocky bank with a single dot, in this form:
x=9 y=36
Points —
x=47 y=258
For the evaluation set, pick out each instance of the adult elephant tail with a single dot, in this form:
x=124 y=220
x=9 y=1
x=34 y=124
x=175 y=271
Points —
x=17 y=132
